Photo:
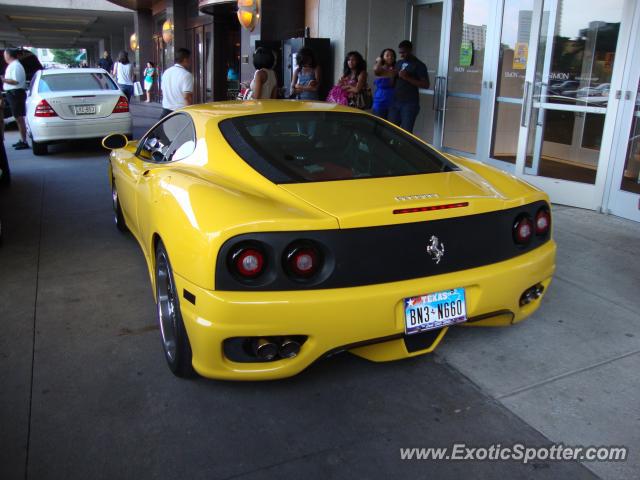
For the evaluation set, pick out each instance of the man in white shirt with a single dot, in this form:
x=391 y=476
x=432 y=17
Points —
x=177 y=84
x=14 y=83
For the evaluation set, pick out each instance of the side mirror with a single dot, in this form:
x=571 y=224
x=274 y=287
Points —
x=114 y=141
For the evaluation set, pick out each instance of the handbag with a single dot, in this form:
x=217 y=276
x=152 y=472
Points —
x=137 y=89
x=363 y=99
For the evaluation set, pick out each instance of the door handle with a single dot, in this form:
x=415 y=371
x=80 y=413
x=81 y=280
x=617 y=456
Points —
x=443 y=94
x=525 y=104
x=436 y=101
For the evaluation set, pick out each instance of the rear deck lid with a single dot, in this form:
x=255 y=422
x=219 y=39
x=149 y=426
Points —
x=394 y=200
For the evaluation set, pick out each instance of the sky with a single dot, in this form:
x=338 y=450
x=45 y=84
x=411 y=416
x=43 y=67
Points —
x=576 y=15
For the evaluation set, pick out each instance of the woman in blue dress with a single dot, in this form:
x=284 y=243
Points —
x=384 y=82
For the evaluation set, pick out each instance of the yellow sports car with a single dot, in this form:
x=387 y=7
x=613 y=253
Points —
x=280 y=232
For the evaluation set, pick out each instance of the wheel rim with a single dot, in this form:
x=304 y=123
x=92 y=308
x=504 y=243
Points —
x=167 y=307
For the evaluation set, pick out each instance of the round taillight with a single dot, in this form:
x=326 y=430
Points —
x=303 y=261
x=522 y=230
x=543 y=221
x=248 y=262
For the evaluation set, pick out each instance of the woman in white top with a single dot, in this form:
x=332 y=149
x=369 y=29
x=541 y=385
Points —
x=264 y=83
x=123 y=71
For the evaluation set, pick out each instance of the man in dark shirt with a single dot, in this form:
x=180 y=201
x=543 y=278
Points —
x=105 y=62
x=412 y=75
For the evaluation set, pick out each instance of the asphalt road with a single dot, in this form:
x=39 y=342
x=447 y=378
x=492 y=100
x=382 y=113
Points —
x=85 y=392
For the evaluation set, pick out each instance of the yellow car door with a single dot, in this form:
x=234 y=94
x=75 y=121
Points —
x=171 y=141
x=126 y=172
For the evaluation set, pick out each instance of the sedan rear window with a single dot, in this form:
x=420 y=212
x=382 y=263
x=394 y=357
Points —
x=62 y=82
x=298 y=147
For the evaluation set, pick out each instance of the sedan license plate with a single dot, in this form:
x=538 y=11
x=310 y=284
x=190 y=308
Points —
x=85 y=109
x=434 y=310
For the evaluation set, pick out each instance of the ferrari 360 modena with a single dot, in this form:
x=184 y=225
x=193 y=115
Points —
x=277 y=233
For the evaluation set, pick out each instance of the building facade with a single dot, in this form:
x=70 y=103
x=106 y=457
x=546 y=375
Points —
x=549 y=92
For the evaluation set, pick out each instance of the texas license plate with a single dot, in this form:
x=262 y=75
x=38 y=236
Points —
x=85 y=109
x=434 y=310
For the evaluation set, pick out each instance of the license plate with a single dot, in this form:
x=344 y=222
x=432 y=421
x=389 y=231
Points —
x=434 y=310
x=85 y=109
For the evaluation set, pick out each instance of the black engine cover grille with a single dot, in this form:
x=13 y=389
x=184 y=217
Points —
x=372 y=255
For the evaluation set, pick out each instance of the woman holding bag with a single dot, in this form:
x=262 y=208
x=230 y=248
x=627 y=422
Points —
x=123 y=71
x=149 y=76
x=352 y=87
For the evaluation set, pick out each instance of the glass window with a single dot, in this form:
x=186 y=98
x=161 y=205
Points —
x=63 y=82
x=584 y=46
x=311 y=146
x=171 y=140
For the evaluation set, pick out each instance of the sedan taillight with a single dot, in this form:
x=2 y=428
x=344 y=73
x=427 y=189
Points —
x=43 y=109
x=522 y=230
x=122 y=106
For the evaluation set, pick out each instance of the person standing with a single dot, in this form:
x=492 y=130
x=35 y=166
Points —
x=14 y=84
x=352 y=81
x=123 y=71
x=149 y=75
x=265 y=83
x=412 y=75
x=105 y=62
x=385 y=71
x=177 y=84
x=306 y=77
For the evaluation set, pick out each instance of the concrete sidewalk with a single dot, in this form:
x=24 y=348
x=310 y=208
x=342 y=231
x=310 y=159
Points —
x=86 y=394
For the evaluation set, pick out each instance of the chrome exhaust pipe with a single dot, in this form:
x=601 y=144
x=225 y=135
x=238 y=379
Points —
x=265 y=349
x=531 y=294
x=289 y=348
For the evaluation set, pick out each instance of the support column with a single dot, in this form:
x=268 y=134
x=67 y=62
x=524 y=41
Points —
x=176 y=14
x=143 y=23
x=116 y=44
x=101 y=49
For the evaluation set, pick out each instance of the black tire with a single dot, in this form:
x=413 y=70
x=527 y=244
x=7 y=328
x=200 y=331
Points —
x=39 y=148
x=175 y=342
x=118 y=216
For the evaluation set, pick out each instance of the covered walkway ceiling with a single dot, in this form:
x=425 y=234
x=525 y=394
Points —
x=60 y=27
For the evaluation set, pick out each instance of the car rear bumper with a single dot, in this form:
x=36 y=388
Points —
x=368 y=320
x=55 y=128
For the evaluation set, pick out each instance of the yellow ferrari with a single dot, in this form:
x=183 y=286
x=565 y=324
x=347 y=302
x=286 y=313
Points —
x=277 y=233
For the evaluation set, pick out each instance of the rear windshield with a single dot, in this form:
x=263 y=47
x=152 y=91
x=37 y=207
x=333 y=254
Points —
x=63 y=82
x=298 y=147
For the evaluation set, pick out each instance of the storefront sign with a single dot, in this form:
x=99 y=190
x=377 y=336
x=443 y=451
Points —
x=466 y=53
x=520 y=55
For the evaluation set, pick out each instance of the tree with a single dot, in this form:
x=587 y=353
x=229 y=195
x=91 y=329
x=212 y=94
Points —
x=66 y=56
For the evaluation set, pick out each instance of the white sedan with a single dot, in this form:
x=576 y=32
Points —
x=74 y=103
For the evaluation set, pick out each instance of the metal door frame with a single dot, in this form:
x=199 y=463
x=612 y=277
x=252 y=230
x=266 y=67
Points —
x=617 y=201
x=438 y=85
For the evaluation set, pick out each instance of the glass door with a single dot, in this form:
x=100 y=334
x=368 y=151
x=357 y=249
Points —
x=463 y=84
x=624 y=197
x=428 y=34
x=455 y=38
x=572 y=71
x=509 y=71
